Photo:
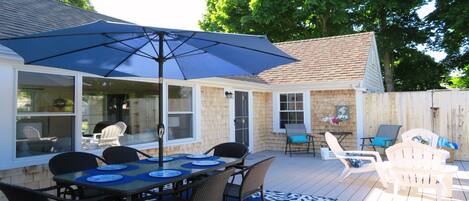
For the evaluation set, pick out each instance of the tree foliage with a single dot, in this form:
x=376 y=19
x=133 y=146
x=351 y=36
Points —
x=83 y=4
x=416 y=71
x=279 y=19
x=450 y=33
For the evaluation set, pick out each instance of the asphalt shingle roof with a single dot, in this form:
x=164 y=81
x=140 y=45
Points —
x=338 y=58
x=22 y=17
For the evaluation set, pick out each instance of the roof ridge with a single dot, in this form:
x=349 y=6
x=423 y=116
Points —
x=324 y=38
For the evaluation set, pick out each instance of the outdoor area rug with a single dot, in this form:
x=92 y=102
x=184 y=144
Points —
x=281 y=196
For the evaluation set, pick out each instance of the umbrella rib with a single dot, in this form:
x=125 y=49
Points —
x=78 y=50
x=61 y=35
x=148 y=37
x=115 y=48
x=129 y=46
x=179 y=66
x=199 y=49
x=126 y=58
x=177 y=47
x=242 y=47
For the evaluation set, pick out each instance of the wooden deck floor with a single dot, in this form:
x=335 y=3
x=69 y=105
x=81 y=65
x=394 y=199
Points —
x=307 y=175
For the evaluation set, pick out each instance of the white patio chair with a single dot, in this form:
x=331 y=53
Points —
x=372 y=157
x=424 y=134
x=31 y=133
x=109 y=136
x=123 y=126
x=417 y=165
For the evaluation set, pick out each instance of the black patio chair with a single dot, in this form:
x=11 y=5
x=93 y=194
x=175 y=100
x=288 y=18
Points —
x=296 y=134
x=101 y=125
x=230 y=149
x=253 y=181
x=385 y=137
x=122 y=154
x=208 y=189
x=19 y=193
x=69 y=162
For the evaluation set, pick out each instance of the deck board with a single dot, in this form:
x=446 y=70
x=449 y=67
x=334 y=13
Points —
x=310 y=175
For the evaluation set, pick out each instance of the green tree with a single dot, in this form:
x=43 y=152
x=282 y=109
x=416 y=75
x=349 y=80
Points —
x=281 y=20
x=83 y=4
x=416 y=71
x=449 y=24
x=396 y=25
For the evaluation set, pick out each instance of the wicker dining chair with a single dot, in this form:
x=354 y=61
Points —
x=207 y=189
x=69 y=162
x=253 y=181
x=122 y=154
x=19 y=193
x=230 y=149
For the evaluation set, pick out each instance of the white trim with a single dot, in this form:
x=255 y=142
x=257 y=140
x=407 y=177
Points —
x=359 y=105
x=198 y=113
x=250 y=117
x=251 y=122
x=231 y=113
x=276 y=109
x=307 y=109
x=196 y=130
x=78 y=113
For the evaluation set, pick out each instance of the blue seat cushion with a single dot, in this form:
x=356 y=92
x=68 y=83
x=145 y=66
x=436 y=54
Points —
x=380 y=142
x=298 y=139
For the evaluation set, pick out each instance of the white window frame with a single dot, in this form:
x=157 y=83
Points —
x=195 y=112
x=14 y=162
x=193 y=137
x=276 y=110
x=28 y=159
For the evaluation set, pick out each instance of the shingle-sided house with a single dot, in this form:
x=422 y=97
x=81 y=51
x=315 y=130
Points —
x=48 y=110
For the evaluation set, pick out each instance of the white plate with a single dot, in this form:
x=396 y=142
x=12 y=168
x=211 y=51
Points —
x=165 y=159
x=205 y=163
x=103 y=178
x=165 y=173
x=112 y=167
x=198 y=156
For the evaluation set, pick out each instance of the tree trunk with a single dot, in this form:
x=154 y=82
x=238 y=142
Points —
x=388 y=72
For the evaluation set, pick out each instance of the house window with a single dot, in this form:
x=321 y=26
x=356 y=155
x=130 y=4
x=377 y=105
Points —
x=45 y=113
x=291 y=109
x=180 y=112
x=107 y=101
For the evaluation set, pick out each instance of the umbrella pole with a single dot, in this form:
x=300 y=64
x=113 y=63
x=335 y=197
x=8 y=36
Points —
x=160 y=102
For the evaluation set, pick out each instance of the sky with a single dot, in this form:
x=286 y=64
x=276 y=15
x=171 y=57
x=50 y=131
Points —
x=185 y=14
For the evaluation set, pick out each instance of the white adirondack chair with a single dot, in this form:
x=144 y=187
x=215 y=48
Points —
x=31 y=133
x=110 y=136
x=417 y=165
x=372 y=157
x=427 y=135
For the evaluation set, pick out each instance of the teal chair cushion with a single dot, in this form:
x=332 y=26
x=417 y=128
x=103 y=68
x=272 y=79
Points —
x=298 y=139
x=380 y=142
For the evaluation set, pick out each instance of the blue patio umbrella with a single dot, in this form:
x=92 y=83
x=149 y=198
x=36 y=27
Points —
x=111 y=49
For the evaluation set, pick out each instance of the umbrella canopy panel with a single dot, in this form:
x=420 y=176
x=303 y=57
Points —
x=119 y=50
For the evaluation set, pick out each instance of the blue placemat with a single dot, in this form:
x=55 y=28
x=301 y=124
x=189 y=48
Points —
x=96 y=171
x=209 y=158
x=146 y=177
x=124 y=180
x=190 y=166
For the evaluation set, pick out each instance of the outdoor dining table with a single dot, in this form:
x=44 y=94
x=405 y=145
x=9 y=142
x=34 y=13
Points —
x=136 y=179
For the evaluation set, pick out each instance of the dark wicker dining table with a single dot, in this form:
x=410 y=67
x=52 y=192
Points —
x=134 y=178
